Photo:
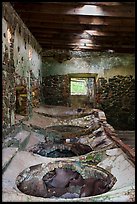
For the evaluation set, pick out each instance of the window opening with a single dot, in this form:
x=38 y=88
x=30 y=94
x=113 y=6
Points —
x=82 y=86
x=78 y=86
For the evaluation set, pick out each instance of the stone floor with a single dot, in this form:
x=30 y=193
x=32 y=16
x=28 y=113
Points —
x=16 y=158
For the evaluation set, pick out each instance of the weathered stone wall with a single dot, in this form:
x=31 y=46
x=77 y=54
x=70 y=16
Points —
x=103 y=64
x=21 y=66
x=56 y=90
x=116 y=97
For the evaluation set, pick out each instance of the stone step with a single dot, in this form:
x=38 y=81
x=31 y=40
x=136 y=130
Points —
x=35 y=138
x=126 y=132
x=23 y=138
x=12 y=145
x=128 y=142
x=7 y=155
x=20 y=140
x=128 y=137
x=131 y=141
x=124 y=135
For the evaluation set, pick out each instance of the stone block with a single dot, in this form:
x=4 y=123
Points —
x=23 y=138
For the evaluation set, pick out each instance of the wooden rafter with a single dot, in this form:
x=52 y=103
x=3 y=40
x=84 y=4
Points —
x=71 y=25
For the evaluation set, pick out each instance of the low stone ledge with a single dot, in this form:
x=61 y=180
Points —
x=7 y=155
x=126 y=148
x=23 y=138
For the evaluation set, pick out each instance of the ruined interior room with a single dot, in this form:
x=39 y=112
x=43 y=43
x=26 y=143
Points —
x=68 y=101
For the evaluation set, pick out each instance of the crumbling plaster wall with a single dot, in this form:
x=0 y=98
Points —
x=104 y=64
x=21 y=63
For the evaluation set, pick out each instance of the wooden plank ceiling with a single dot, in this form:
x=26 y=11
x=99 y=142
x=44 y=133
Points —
x=95 y=26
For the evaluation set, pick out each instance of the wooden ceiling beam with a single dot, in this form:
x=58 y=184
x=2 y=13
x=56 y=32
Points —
x=102 y=3
x=32 y=19
x=118 y=41
x=86 y=44
x=108 y=3
x=72 y=25
x=107 y=33
x=87 y=3
x=73 y=36
x=81 y=28
x=72 y=45
x=86 y=34
x=90 y=10
x=89 y=20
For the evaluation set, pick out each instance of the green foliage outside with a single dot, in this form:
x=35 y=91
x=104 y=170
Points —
x=78 y=87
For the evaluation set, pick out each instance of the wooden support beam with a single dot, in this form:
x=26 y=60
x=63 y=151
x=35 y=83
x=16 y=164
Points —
x=95 y=40
x=71 y=25
x=32 y=19
x=86 y=37
x=85 y=44
x=62 y=27
x=85 y=34
x=90 y=10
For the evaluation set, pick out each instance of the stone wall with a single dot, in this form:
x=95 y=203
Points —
x=56 y=90
x=21 y=62
x=114 y=74
x=116 y=97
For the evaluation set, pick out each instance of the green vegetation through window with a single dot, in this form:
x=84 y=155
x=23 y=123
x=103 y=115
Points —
x=79 y=86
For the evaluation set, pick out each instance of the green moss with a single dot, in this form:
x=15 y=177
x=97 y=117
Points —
x=94 y=158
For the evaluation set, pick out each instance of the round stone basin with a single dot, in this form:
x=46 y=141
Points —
x=65 y=128
x=59 y=133
x=70 y=141
x=64 y=179
x=61 y=150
